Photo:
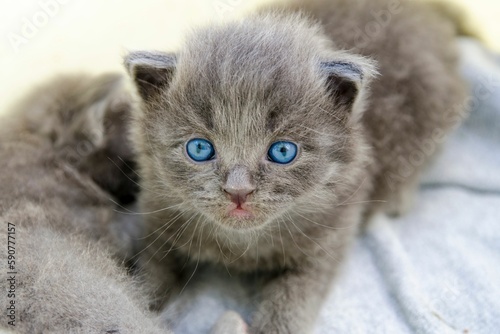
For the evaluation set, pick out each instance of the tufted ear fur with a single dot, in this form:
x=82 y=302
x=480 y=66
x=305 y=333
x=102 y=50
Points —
x=347 y=79
x=151 y=71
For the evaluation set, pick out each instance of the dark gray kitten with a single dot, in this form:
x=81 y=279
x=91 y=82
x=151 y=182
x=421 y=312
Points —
x=263 y=144
x=61 y=151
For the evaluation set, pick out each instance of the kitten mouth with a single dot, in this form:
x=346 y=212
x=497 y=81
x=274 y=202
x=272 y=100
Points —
x=240 y=212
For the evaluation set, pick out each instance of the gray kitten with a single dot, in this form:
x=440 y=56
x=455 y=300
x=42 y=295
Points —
x=264 y=144
x=58 y=151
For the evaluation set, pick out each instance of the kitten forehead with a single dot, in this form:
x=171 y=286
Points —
x=257 y=48
x=265 y=42
x=252 y=71
x=238 y=74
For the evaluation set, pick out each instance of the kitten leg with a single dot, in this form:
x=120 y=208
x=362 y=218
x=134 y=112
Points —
x=401 y=200
x=292 y=300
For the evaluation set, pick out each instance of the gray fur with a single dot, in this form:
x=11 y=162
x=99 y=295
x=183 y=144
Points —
x=58 y=151
x=246 y=84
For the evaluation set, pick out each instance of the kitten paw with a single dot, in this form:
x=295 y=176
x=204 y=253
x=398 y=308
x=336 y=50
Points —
x=230 y=323
x=401 y=202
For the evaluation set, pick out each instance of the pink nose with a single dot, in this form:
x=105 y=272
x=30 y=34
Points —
x=239 y=184
x=238 y=195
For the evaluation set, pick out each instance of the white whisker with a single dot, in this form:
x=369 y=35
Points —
x=197 y=263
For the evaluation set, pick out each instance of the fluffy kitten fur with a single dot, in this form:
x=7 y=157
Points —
x=367 y=115
x=57 y=185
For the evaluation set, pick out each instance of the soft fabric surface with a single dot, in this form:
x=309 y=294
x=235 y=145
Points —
x=435 y=270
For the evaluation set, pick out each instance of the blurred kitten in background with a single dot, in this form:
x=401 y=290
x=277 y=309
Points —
x=64 y=167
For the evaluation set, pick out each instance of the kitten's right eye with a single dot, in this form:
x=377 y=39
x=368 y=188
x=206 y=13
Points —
x=200 y=150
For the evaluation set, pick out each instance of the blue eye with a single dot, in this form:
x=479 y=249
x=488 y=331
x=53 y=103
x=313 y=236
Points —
x=282 y=152
x=200 y=150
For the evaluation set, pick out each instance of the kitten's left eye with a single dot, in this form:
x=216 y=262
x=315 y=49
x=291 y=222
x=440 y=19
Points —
x=282 y=152
x=200 y=150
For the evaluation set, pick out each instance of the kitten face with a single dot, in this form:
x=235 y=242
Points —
x=241 y=161
x=216 y=96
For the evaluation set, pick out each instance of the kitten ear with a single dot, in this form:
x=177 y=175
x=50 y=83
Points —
x=151 y=71
x=109 y=157
x=95 y=101
x=345 y=79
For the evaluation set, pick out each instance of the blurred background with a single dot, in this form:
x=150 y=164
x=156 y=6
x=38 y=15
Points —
x=40 y=38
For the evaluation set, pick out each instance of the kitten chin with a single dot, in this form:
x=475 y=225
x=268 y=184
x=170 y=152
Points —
x=273 y=118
